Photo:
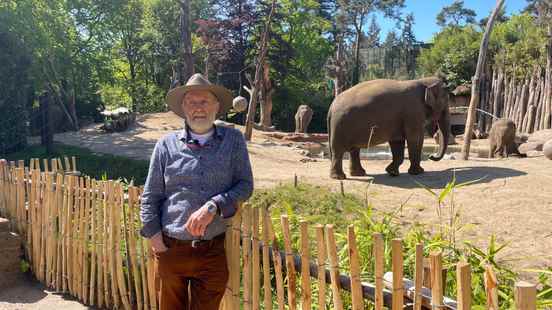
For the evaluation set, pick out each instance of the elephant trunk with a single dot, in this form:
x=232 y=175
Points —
x=444 y=134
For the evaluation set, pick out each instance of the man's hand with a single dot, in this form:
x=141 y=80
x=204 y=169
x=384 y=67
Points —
x=198 y=221
x=157 y=244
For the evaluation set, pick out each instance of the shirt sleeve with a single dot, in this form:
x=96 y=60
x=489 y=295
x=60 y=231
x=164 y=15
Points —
x=154 y=193
x=242 y=180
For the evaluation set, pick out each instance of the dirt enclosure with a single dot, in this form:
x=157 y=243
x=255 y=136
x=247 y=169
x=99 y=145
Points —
x=512 y=198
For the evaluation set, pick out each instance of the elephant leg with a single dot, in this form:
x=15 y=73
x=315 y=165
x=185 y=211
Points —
x=415 y=140
x=492 y=150
x=397 y=149
x=336 y=170
x=355 y=167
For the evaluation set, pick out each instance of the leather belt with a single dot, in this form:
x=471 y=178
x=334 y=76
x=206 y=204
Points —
x=193 y=243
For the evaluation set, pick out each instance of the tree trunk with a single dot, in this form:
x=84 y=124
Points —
x=339 y=79
x=73 y=109
x=266 y=103
x=476 y=81
x=548 y=79
x=258 y=77
x=187 y=61
x=356 y=68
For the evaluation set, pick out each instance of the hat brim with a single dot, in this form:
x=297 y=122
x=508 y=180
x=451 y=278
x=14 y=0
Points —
x=176 y=95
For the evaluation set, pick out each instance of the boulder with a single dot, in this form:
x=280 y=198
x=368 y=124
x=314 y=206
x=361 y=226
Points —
x=547 y=149
x=541 y=136
x=530 y=147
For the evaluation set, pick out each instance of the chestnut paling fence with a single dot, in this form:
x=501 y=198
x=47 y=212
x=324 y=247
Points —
x=81 y=237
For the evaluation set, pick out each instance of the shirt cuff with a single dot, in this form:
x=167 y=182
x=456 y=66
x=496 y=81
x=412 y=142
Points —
x=150 y=229
x=227 y=208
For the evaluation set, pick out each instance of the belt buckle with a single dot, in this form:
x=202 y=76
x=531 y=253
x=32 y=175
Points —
x=195 y=243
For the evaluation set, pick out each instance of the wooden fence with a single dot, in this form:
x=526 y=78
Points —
x=527 y=101
x=81 y=237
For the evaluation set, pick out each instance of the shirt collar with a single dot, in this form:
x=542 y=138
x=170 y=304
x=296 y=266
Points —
x=184 y=135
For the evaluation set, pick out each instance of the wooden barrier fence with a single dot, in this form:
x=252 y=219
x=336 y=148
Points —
x=81 y=237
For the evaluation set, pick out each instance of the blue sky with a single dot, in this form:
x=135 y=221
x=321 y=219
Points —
x=425 y=12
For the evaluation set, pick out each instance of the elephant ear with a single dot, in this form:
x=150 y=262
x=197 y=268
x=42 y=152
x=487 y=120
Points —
x=431 y=96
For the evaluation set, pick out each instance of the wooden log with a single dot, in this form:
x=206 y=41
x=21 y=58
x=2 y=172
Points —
x=397 y=267
x=266 y=260
x=418 y=276
x=334 y=267
x=60 y=194
x=356 y=288
x=306 y=300
x=290 y=267
x=102 y=243
x=525 y=296
x=410 y=293
x=436 y=279
x=491 y=288
x=86 y=242
x=379 y=269
x=255 y=261
x=321 y=264
x=463 y=285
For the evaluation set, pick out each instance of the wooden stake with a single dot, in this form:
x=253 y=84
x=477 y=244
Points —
x=491 y=288
x=419 y=276
x=525 y=296
x=321 y=260
x=398 y=288
x=334 y=271
x=356 y=287
x=290 y=265
x=266 y=260
x=463 y=285
x=436 y=279
x=379 y=269
x=256 y=263
x=277 y=260
x=305 y=263
x=246 y=257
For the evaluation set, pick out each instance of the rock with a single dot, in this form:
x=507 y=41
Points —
x=547 y=149
x=530 y=147
x=218 y=122
x=541 y=136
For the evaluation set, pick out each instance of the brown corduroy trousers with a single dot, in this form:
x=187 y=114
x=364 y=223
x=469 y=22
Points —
x=189 y=278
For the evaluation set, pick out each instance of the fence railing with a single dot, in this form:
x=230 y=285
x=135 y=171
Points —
x=81 y=237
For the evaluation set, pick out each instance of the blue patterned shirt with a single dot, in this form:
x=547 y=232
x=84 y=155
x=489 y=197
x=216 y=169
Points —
x=183 y=176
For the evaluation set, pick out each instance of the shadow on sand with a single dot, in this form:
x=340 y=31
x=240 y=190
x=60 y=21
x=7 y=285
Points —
x=439 y=179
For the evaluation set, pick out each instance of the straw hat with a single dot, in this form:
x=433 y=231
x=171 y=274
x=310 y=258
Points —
x=198 y=82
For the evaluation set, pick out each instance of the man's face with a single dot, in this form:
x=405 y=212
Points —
x=201 y=108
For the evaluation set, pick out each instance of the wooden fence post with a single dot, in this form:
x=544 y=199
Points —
x=379 y=269
x=356 y=288
x=463 y=285
x=305 y=263
x=418 y=276
x=491 y=288
x=436 y=280
x=290 y=266
x=334 y=271
x=398 y=287
x=321 y=262
x=526 y=296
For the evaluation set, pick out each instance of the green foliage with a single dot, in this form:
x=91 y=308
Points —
x=517 y=45
x=95 y=165
x=455 y=15
x=445 y=56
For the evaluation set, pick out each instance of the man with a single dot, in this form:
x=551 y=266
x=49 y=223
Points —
x=196 y=179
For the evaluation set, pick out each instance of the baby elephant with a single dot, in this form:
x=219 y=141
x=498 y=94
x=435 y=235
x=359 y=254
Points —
x=502 y=139
x=303 y=118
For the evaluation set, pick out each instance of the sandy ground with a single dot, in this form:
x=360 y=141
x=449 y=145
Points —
x=26 y=293
x=511 y=199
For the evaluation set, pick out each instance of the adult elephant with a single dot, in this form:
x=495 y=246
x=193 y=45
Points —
x=396 y=111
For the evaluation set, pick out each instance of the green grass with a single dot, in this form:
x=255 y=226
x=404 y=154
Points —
x=92 y=164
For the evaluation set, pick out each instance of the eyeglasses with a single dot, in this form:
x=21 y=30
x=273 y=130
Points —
x=202 y=103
